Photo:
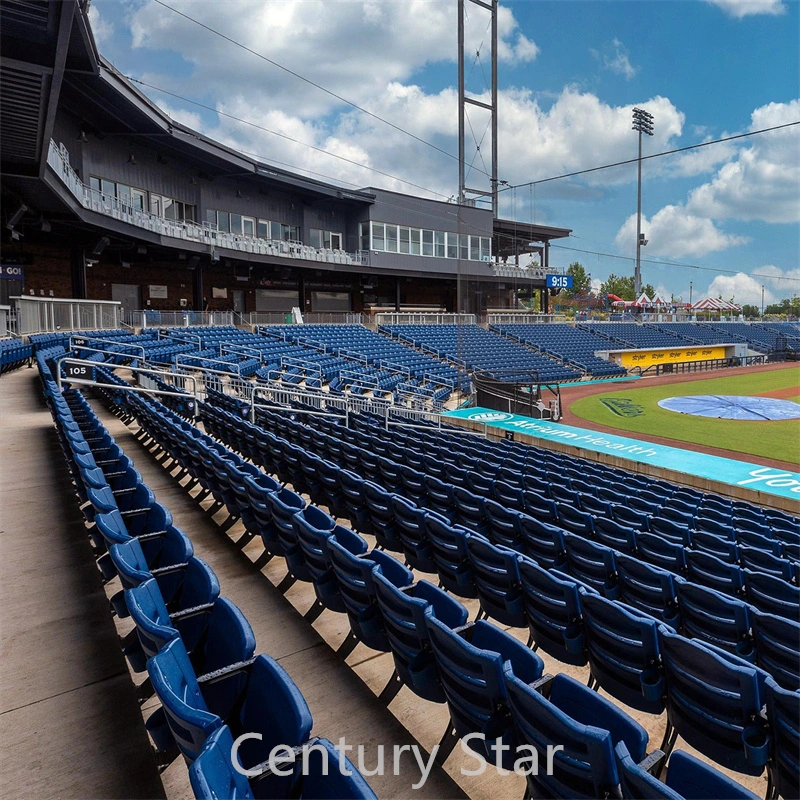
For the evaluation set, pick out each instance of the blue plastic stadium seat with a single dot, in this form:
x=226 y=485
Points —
x=411 y=530
x=783 y=713
x=544 y=543
x=777 y=640
x=714 y=701
x=553 y=611
x=449 y=551
x=771 y=594
x=405 y=612
x=622 y=646
x=592 y=563
x=471 y=664
x=496 y=576
x=267 y=702
x=647 y=588
x=586 y=725
x=688 y=778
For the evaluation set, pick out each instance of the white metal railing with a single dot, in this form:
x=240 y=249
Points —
x=410 y=318
x=521 y=317
x=176 y=319
x=94 y=200
x=5 y=320
x=50 y=314
x=501 y=270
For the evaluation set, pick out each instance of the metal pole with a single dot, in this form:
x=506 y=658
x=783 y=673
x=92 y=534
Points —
x=637 y=275
x=461 y=111
x=762 y=299
x=494 y=110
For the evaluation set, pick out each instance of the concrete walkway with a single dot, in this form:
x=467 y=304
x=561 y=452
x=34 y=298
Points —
x=70 y=724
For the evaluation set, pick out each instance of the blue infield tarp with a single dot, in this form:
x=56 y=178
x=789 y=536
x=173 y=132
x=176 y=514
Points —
x=723 y=406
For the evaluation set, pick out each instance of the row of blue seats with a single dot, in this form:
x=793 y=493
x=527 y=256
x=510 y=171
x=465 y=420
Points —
x=569 y=344
x=496 y=506
x=201 y=640
x=431 y=534
x=481 y=349
x=318 y=550
x=14 y=353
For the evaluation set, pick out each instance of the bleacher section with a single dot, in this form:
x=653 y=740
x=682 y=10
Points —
x=203 y=640
x=14 y=353
x=479 y=349
x=759 y=338
x=452 y=508
x=574 y=346
x=379 y=362
x=679 y=603
x=630 y=335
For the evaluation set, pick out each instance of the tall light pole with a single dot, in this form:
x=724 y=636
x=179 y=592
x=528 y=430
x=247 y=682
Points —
x=762 y=299
x=642 y=122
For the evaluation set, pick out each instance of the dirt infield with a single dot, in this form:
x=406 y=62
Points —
x=573 y=392
x=780 y=394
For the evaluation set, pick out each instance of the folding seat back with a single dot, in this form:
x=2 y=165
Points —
x=541 y=507
x=670 y=530
x=687 y=777
x=647 y=588
x=596 y=507
x=708 y=570
x=662 y=553
x=783 y=713
x=439 y=496
x=714 y=701
x=411 y=531
x=544 y=543
x=552 y=604
x=496 y=575
x=353 y=573
x=614 y=535
x=564 y=495
x=306 y=554
x=183 y=712
x=449 y=552
x=592 y=563
x=509 y=495
x=776 y=641
x=405 y=612
x=478 y=484
x=713 y=524
x=283 y=505
x=332 y=776
x=413 y=484
x=716 y=545
x=632 y=518
x=761 y=561
x=503 y=528
x=471 y=663
x=758 y=540
x=715 y=618
x=622 y=646
x=382 y=517
x=772 y=595
x=585 y=725
x=470 y=510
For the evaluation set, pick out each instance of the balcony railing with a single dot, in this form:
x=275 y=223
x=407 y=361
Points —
x=204 y=233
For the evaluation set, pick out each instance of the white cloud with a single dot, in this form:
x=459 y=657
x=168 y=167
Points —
x=677 y=233
x=614 y=57
x=740 y=288
x=761 y=182
x=744 y=8
x=101 y=28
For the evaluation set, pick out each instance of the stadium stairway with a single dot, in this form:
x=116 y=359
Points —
x=342 y=697
x=69 y=719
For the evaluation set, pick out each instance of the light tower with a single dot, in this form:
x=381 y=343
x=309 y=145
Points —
x=477 y=179
x=642 y=122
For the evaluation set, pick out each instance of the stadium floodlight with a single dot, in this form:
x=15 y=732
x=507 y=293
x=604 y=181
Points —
x=643 y=123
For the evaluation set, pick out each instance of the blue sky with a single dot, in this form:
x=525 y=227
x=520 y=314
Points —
x=570 y=72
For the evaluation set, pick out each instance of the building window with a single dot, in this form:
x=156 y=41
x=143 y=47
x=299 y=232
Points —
x=263 y=229
x=452 y=245
x=363 y=236
x=427 y=243
x=439 y=244
x=236 y=223
x=378 y=236
x=223 y=221
x=248 y=226
x=405 y=240
x=391 y=238
x=415 y=240
x=486 y=248
x=325 y=240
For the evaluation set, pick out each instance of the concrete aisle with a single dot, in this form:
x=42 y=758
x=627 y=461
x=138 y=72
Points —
x=70 y=725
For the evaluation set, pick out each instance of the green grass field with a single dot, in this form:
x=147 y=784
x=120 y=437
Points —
x=779 y=440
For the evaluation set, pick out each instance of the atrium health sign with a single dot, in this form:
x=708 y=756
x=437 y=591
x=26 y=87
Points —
x=702 y=465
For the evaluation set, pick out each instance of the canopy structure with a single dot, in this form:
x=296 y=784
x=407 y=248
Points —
x=715 y=304
x=643 y=300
